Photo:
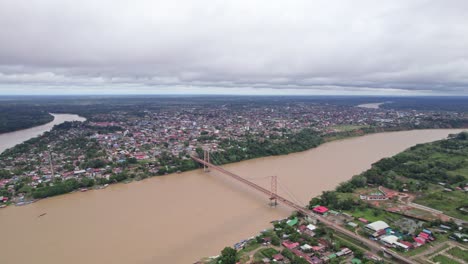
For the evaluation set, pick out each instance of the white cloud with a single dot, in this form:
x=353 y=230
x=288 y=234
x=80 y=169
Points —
x=250 y=46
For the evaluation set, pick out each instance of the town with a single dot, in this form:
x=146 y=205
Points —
x=126 y=145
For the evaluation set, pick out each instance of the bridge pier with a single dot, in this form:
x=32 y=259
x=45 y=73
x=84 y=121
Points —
x=273 y=196
x=206 y=158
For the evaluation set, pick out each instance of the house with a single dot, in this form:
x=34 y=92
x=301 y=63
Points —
x=318 y=248
x=408 y=244
x=315 y=260
x=302 y=228
x=278 y=257
x=420 y=241
x=389 y=240
x=344 y=252
x=363 y=220
x=290 y=245
x=320 y=209
x=306 y=247
x=377 y=226
x=292 y=222
x=79 y=172
x=266 y=240
x=402 y=246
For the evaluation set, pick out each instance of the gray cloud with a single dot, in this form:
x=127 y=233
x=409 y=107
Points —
x=375 y=47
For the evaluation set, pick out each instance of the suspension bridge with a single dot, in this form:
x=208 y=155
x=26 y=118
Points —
x=276 y=198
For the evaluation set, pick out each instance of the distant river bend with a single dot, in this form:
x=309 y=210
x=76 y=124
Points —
x=182 y=217
x=11 y=139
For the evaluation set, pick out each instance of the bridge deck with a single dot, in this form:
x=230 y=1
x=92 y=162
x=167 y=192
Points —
x=371 y=244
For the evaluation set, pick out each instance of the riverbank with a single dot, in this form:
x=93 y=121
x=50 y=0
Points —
x=210 y=210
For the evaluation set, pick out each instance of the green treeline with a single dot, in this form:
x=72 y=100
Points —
x=253 y=148
x=15 y=117
x=62 y=187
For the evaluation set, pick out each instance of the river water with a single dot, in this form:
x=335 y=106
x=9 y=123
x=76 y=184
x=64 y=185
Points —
x=180 y=218
x=8 y=140
x=371 y=105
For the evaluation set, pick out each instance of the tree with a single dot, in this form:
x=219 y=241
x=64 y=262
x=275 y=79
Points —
x=463 y=136
x=314 y=201
x=4 y=174
x=329 y=198
x=299 y=260
x=132 y=160
x=228 y=256
x=275 y=241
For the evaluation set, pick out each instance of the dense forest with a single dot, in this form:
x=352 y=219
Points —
x=15 y=117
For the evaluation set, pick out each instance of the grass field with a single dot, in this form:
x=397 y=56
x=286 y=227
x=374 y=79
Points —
x=373 y=215
x=265 y=253
x=459 y=253
x=444 y=260
x=438 y=199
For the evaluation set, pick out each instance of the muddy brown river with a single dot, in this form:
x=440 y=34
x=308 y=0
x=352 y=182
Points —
x=180 y=218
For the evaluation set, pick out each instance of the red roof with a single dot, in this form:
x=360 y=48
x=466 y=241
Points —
x=302 y=228
x=363 y=220
x=318 y=248
x=420 y=240
x=320 y=209
x=290 y=245
x=423 y=235
x=278 y=257
x=407 y=243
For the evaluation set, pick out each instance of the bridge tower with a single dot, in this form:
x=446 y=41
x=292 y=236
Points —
x=206 y=158
x=273 y=195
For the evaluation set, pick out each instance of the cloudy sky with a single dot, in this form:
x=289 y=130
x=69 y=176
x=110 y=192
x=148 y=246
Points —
x=397 y=47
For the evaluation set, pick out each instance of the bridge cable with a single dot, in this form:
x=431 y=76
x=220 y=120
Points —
x=289 y=193
x=283 y=187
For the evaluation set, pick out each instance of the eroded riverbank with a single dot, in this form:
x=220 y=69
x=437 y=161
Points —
x=180 y=218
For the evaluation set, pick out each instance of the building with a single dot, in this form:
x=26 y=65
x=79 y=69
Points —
x=377 y=226
x=320 y=209
x=389 y=240
x=290 y=245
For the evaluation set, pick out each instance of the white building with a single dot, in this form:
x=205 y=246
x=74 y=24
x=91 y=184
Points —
x=377 y=226
x=389 y=240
